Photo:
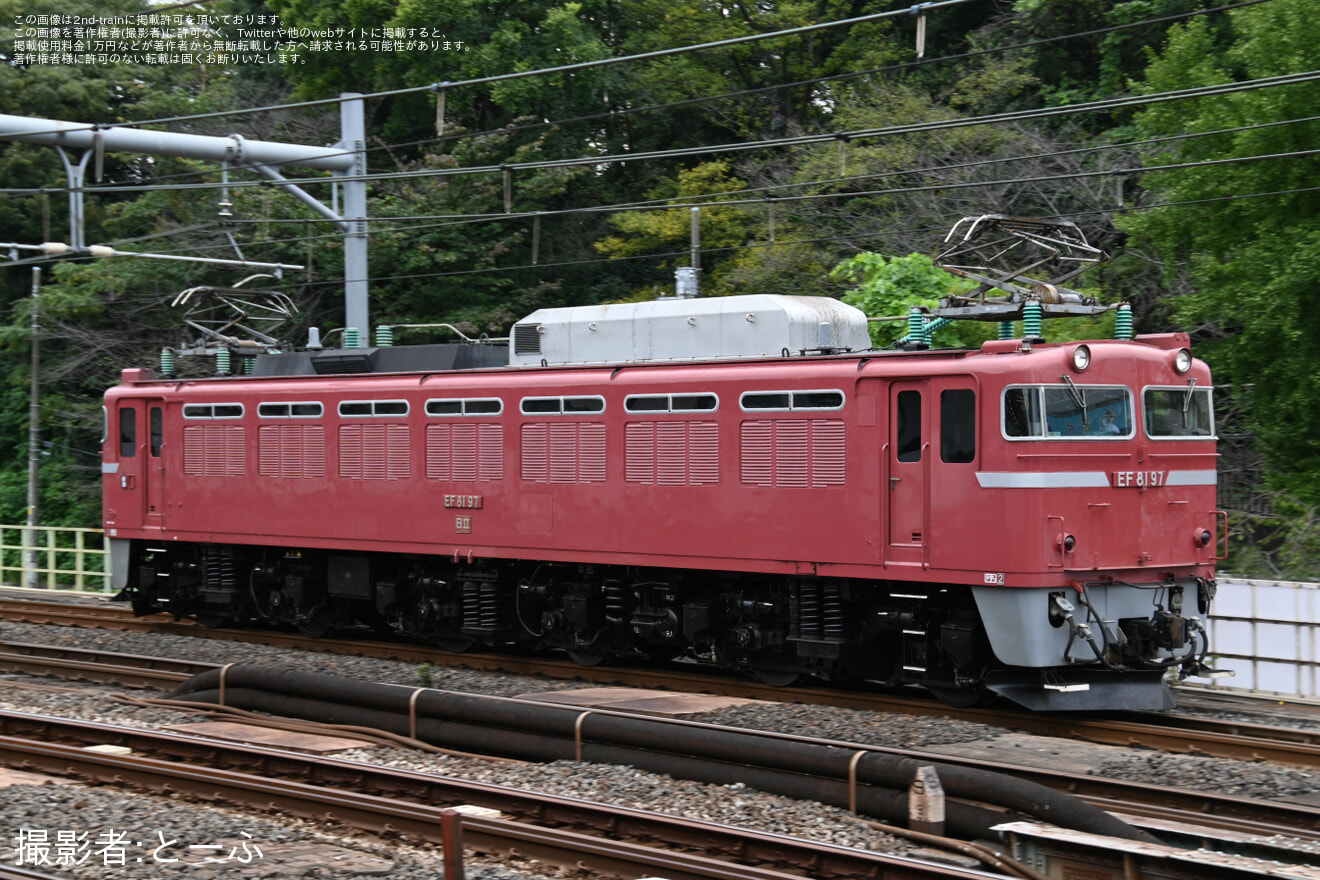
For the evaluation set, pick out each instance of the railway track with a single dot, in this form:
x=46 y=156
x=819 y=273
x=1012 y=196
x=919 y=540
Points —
x=558 y=831
x=1168 y=732
x=1158 y=803
x=1151 y=806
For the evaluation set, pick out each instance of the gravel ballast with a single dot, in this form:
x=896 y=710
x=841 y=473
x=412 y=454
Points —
x=97 y=809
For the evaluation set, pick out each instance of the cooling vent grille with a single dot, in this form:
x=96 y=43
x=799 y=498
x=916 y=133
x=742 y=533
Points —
x=526 y=339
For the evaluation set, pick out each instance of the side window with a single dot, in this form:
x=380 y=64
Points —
x=1022 y=412
x=909 y=425
x=157 y=431
x=127 y=431
x=958 y=426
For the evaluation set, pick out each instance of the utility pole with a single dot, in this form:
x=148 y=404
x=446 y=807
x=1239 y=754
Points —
x=34 y=441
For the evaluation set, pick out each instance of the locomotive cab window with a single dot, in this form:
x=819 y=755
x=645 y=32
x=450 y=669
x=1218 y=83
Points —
x=1068 y=412
x=1177 y=412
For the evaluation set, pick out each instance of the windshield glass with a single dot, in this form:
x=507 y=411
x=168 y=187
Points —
x=1179 y=412
x=1068 y=411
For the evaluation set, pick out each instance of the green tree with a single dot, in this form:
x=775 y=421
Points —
x=890 y=287
x=76 y=367
x=1245 y=237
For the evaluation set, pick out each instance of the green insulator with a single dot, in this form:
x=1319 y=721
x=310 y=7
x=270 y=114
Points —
x=384 y=335
x=249 y=366
x=1123 y=322
x=1032 y=318
x=350 y=337
x=929 y=330
x=167 y=362
x=222 y=362
x=916 y=325
x=1005 y=329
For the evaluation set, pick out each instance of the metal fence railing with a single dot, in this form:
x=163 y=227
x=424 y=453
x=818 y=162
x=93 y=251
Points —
x=58 y=558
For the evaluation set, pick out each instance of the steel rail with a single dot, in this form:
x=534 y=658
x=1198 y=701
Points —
x=612 y=849
x=1168 y=732
x=125 y=670
x=1152 y=801
x=1175 y=733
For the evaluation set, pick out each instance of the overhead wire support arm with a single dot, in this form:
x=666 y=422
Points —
x=347 y=160
x=85 y=136
x=301 y=195
x=59 y=249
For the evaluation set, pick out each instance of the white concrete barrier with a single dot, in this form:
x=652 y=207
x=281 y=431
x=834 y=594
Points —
x=1268 y=633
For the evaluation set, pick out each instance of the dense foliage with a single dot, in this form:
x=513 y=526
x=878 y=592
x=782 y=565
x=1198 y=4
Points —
x=824 y=163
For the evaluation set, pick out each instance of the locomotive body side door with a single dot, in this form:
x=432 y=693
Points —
x=153 y=464
x=133 y=472
x=908 y=460
x=958 y=535
x=122 y=493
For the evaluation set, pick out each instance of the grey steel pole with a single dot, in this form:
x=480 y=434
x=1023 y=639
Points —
x=352 y=120
x=695 y=260
x=34 y=442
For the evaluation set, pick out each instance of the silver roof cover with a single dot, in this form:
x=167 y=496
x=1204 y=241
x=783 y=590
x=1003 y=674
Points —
x=687 y=329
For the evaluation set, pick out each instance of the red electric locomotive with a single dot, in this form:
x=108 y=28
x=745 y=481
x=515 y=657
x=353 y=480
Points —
x=739 y=481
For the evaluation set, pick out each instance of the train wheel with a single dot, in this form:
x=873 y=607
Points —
x=961 y=698
x=456 y=643
x=660 y=653
x=586 y=657
x=777 y=677
x=143 y=607
x=314 y=628
x=212 y=621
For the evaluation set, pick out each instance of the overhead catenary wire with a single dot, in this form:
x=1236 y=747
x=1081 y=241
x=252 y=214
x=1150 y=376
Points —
x=919 y=8
x=755 y=245
x=1216 y=90
x=553 y=163
x=703 y=198
x=718 y=198
x=670 y=105
x=887 y=131
x=686 y=201
x=814 y=197
x=1119 y=27
x=787 y=242
x=838 y=77
x=891 y=68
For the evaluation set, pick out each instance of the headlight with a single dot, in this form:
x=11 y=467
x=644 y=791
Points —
x=1081 y=358
x=1182 y=361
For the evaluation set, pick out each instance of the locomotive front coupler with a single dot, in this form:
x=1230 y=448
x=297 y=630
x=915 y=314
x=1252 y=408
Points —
x=1195 y=666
